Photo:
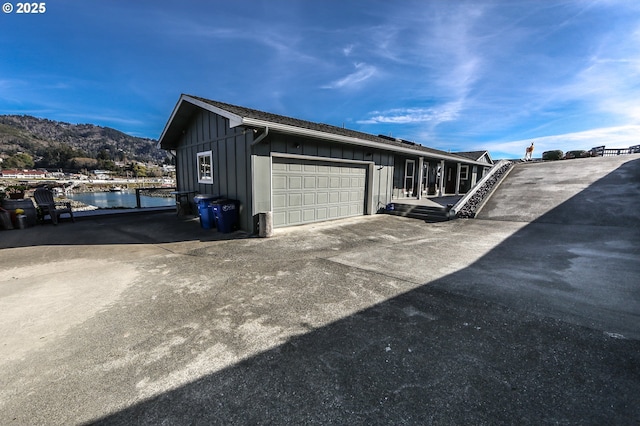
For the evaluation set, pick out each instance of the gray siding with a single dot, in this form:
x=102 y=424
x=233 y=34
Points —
x=231 y=162
x=381 y=181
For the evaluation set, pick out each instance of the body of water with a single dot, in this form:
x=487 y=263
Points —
x=105 y=200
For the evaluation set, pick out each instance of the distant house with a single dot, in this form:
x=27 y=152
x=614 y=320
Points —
x=23 y=174
x=102 y=174
x=302 y=171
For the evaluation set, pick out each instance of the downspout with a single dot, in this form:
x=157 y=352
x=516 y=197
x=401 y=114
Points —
x=261 y=137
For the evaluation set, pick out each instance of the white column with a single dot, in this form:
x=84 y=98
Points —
x=420 y=175
x=458 y=170
x=441 y=180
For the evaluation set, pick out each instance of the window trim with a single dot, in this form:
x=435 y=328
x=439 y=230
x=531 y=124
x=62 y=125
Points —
x=464 y=172
x=202 y=178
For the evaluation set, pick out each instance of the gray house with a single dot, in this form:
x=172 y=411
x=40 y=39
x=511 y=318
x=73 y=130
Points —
x=302 y=171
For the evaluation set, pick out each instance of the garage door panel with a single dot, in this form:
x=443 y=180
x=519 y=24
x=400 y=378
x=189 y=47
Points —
x=279 y=201
x=323 y=182
x=309 y=198
x=295 y=216
x=279 y=167
x=309 y=215
x=279 y=218
x=295 y=182
x=295 y=199
x=309 y=182
x=306 y=191
x=322 y=197
x=279 y=182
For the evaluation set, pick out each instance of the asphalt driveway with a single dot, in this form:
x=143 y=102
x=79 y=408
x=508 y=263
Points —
x=148 y=319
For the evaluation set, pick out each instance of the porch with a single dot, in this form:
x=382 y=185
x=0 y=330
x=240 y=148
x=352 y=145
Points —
x=431 y=209
x=429 y=201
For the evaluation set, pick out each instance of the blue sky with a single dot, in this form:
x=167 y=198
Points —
x=452 y=75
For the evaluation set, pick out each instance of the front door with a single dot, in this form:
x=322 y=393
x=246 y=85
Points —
x=409 y=173
x=450 y=179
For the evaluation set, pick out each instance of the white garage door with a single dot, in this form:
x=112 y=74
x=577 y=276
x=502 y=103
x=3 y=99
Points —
x=306 y=191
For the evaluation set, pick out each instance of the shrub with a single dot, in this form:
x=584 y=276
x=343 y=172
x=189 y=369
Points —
x=576 y=154
x=552 y=155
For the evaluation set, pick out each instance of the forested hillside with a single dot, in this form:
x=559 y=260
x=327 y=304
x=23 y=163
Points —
x=27 y=141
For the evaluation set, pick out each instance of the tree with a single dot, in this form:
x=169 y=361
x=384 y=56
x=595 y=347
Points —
x=139 y=170
x=79 y=163
x=19 y=161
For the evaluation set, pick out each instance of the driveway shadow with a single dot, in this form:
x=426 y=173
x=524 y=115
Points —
x=520 y=336
x=139 y=228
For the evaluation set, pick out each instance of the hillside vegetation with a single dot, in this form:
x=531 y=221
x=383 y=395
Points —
x=59 y=145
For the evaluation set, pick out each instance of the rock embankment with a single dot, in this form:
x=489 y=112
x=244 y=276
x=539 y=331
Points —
x=468 y=211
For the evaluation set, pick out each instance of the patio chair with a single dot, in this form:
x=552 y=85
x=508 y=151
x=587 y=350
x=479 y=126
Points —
x=48 y=206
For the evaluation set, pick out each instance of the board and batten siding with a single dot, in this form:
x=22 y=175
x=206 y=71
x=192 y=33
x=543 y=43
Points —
x=230 y=149
x=380 y=183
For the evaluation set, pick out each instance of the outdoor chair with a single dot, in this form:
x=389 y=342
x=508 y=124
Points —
x=48 y=206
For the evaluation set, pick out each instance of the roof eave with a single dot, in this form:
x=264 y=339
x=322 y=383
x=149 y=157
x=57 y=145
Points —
x=285 y=128
x=175 y=126
x=234 y=119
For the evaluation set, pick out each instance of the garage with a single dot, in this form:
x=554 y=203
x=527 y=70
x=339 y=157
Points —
x=307 y=191
x=286 y=172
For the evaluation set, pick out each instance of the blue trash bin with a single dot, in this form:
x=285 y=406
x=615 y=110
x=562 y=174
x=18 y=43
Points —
x=203 y=201
x=225 y=213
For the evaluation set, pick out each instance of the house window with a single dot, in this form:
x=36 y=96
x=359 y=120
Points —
x=464 y=172
x=205 y=167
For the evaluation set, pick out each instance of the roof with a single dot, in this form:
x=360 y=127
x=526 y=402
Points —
x=239 y=115
x=22 y=172
x=475 y=155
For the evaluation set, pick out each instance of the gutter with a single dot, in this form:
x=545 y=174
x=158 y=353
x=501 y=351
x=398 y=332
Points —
x=236 y=120
x=261 y=137
x=285 y=128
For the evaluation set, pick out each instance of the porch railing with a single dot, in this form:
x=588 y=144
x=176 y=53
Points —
x=472 y=202
x=602 y=151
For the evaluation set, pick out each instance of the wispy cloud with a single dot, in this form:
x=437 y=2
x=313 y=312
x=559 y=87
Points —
x=362 y=73
x=435 y=115
x=346 y=51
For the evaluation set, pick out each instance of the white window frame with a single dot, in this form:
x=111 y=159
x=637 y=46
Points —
x=203 y=176
x=409 y=177
x=464 y=172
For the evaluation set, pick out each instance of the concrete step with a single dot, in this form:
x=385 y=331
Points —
x=427 y=213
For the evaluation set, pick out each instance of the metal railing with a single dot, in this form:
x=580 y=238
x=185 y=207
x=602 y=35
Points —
x=602 y=151
x=474 y=200
x=150 y=190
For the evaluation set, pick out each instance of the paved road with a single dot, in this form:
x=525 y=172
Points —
x=149 y=319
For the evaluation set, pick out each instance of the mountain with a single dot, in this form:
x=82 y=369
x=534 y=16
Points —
x=39 y=136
